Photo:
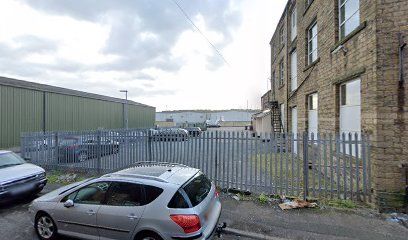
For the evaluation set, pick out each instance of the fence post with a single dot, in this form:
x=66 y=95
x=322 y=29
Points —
x=305 y=166
x=98 y=151
x=149 y=144
x=57 y=153
x=216 y=158
x=23 y=148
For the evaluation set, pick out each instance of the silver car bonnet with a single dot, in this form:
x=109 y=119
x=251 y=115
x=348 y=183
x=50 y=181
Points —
x=14 y=173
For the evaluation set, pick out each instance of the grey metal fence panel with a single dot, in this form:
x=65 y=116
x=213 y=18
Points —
x=303 y=165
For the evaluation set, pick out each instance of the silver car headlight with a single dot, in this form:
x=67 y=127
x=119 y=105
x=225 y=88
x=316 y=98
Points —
x=41 y=175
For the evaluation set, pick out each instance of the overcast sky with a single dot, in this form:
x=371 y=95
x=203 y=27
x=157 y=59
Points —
x=145 y=46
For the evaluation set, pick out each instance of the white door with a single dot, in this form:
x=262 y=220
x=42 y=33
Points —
x=282 y=109
x=293 y=71
x=294 y=128
x=312 y=115
x=350 y=111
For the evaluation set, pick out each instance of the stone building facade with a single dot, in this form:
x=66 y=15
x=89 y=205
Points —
x=266 y=99
x=341 y=66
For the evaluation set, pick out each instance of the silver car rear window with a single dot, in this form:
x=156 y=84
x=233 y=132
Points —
x=197 y=189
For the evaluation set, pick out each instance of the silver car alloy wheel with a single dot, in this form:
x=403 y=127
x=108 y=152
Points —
x=45 y=227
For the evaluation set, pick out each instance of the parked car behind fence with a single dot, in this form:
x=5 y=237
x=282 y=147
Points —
x=76 y=149
x=193 y=131
x=170 y=134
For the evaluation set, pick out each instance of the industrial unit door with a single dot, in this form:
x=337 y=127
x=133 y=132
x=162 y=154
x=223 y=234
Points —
x=294 y=127
x=350 y=111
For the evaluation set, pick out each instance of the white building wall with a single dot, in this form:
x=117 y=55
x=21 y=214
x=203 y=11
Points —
x=199 y=117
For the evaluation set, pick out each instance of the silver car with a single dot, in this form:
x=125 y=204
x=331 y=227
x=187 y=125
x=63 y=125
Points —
x=19 y=178
x=150 y=201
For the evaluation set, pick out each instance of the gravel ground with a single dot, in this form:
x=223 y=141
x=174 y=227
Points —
x=320 y=223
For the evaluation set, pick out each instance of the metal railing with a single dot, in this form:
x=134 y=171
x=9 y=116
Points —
x=325 y=165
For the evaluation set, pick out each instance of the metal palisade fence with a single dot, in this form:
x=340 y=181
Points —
x=302 y=165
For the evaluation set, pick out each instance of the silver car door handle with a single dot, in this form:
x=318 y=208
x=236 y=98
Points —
x=132 y=216
x=90 y=212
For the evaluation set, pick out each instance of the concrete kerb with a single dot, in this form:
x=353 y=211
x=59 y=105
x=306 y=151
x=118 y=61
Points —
x=252 y=235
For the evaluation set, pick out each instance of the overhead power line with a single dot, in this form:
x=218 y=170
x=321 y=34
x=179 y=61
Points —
x=202 y=34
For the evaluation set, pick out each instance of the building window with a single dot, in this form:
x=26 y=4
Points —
x=350 y=112
x=313 y=120
x=350 y=94
x=281 y=73
x=349 y=16
x=293 y=71
x=312 y=101
x=273 y=80
x=293 y=24
x=282 y=112
x=312 y=43
x=294 y=129
x=282 y=36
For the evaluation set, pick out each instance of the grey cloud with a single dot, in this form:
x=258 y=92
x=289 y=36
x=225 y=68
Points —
x=214 y=62
x=144 y=76
x=27 y=45
x=12 y=57
x=148 y=85
x=64 y=65
x=132 y=20
x=34 y=44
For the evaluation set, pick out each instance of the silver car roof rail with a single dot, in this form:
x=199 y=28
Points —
x=122 y=173
x=159 y=164
x=134 y=175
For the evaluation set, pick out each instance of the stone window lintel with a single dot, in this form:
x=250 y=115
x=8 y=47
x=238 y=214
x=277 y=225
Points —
x=349 y=36
x=349 y=76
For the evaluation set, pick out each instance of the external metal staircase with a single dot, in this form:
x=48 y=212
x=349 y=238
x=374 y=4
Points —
x=276 y=119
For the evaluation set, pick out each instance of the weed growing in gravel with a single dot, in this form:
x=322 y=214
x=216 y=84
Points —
x=64 y=178
x=263 y=198
x=342 y=204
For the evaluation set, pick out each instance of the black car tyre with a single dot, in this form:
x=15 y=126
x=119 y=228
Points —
x=148 y=236
x=45 y=227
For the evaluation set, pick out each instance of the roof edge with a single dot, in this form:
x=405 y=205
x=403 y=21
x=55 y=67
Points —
x=12 y=82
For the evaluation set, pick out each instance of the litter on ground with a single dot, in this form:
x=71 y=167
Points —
x=297 y=203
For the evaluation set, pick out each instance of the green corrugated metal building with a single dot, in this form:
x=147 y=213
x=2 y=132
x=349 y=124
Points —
x=32 y=107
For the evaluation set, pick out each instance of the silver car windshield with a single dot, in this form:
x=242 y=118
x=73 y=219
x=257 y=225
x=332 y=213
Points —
x=10 y=159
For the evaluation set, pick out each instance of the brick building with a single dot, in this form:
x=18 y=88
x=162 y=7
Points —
x=341 y=66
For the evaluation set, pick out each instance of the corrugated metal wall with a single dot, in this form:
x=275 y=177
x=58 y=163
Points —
x=22 y=110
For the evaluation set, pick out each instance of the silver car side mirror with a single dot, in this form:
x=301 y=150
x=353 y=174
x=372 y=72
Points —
x=69 y=203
